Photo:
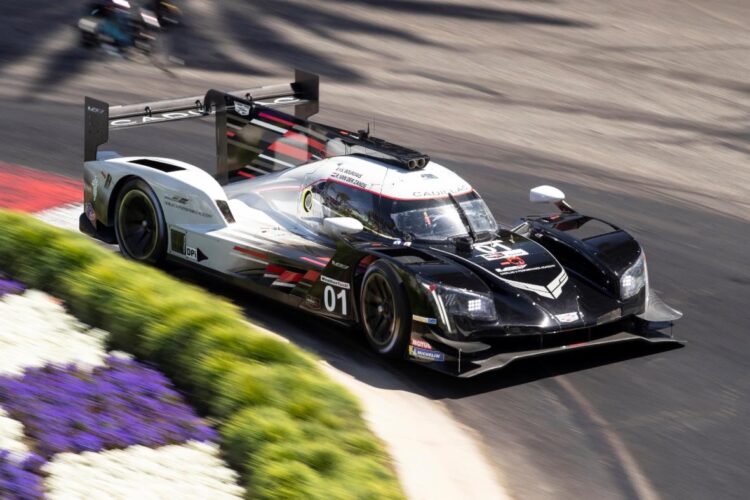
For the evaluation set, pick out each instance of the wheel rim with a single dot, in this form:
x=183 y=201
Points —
x=379 y=310
x=138 y=225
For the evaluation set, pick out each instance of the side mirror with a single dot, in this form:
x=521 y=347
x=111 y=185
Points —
x=338 y=226
x=550 y=194
x=546 y=194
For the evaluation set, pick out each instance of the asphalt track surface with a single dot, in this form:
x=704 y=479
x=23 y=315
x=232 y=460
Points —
x=638 y=110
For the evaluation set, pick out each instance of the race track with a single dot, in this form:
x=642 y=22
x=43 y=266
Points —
x=639 y=110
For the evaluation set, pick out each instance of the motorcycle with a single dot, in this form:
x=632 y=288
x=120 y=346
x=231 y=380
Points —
x=119 y=27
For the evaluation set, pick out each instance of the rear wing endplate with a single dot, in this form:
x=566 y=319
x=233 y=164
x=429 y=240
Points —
x=100 y=117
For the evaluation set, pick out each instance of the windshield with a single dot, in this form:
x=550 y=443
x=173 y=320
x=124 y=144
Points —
x=438 y=219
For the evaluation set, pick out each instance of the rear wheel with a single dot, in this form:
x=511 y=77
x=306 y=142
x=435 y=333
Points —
x=139 y=223
x=385 y=311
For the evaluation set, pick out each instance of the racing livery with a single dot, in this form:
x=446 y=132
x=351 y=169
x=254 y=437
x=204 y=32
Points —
x=363 y=231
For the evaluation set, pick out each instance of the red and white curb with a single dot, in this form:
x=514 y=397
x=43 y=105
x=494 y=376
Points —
x=435 y=457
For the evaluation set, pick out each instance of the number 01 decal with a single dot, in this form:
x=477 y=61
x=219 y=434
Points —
x=331 y=299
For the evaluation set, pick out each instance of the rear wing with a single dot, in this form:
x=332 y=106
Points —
x=100 y=117
x=253 y=138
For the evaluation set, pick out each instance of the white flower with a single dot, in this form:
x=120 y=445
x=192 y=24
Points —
x=187 y=471
x=11 y=434
x=36 y=330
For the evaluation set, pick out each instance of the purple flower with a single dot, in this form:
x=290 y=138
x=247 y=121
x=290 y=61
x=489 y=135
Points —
x=66 y=409
x=20 y=482
x=9 y=286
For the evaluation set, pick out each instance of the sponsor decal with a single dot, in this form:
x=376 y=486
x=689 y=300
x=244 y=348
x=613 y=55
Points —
x=424 y=319
x=505 y=254
x=94 y=187
x=522 y=269
x=339 y=265
x=180 y=115
x=181 y=203
x=551 y=291
x=313 y=302
x=90 y=214
x=241 y=108
x=178 y=199
x=330 y=281
x=421 y=343
x=163 y=117
x=513 y=263
x=567 y=317
x=426 y=354
x=441 y=192
x=191 y=253
x=429 y=176
x=491 y=247
x=349 y=176
x=94 y=109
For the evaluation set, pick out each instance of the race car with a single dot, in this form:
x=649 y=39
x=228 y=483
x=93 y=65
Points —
x=365 y=232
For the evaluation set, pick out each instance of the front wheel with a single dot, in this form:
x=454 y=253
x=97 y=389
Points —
x=139 y=223
x=384 y=308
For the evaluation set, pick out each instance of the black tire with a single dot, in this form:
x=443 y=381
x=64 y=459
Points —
x=139 y=223
x=385 y=311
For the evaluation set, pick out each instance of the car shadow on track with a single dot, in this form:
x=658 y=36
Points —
x=346 y=350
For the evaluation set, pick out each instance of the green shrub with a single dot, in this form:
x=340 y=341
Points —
x=288 y=429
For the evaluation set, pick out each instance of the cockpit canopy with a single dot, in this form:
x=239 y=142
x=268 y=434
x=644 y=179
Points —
x=439 y=218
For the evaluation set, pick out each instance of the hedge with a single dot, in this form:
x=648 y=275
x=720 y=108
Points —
x=289 y=430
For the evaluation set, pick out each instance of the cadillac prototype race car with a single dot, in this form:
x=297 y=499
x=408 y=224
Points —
x=365 y=232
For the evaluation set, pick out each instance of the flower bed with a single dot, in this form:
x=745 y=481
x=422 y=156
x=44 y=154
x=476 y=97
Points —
x=120 y=405
x=284 y=425
x=115 y=428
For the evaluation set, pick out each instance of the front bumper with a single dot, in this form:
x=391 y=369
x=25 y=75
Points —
x=469 y=358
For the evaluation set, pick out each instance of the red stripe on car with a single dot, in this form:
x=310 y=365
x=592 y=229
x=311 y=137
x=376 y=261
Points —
x=277 y=119
x=311 y=276
x=305 y=140
x=290 y=277
x=313 y=261
x=274 y=269
x=247 y=251
x=289 y=150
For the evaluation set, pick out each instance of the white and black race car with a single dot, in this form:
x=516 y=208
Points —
x=363 y=231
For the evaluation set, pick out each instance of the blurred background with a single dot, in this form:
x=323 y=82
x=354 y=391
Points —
x=638 y=109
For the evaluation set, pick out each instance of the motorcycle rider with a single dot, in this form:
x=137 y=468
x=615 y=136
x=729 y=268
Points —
x=116 y=24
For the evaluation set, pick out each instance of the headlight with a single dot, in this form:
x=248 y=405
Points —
x=474 y=305
x=635 y=278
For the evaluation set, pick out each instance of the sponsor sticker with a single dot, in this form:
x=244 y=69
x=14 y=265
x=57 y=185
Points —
x=191 y=253
x=90 y=213
x=94 y=187
x=424 y=319
x=426 y=354
x=513 y=263
x=522 y=269
x=330 y=281
x=241 y=109
x=506 y=254
x=421 y=343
